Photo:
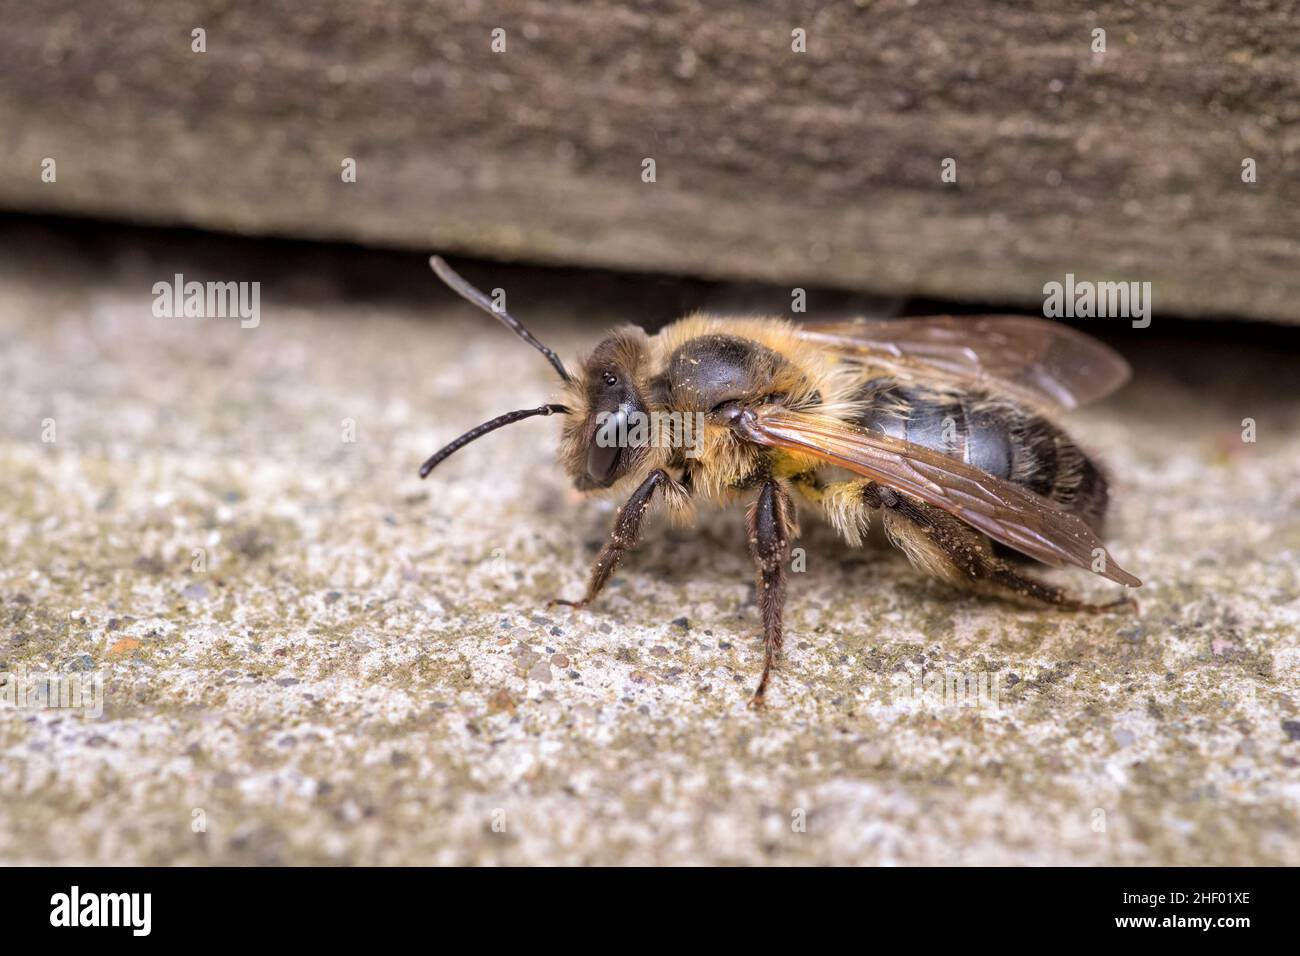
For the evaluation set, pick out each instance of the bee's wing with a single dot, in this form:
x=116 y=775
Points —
x=1004 y=511
x=1038 y=359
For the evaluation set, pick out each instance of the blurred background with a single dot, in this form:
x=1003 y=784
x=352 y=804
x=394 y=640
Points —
x=309 y=656
x=801 y=144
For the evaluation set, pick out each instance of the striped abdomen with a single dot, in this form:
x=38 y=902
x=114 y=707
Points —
x=992 y=434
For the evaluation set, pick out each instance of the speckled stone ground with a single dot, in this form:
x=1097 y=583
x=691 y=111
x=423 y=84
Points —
x=364 y=669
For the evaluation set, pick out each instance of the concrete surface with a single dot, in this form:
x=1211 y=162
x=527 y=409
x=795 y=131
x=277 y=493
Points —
x=366 y=671
x=821 y=167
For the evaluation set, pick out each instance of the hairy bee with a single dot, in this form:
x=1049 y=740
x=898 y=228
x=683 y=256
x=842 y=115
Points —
x=936 y=424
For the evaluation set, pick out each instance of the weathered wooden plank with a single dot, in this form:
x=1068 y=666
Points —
x=821 y=167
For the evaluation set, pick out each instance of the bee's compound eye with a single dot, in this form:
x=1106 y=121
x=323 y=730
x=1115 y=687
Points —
x=606 y=445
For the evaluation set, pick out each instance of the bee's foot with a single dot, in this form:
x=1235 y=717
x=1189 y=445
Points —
x=1099 y=607
x=1114 y=607
x=576 y=605
x=758 y=702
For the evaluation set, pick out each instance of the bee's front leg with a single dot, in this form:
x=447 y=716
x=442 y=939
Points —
x=626 y=534
x=771 y=526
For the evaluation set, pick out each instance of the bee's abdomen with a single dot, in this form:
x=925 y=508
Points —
x=993 y=435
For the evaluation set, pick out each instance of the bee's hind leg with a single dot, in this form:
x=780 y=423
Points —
x=949 y=549
x=771 y=525
x=627 y=532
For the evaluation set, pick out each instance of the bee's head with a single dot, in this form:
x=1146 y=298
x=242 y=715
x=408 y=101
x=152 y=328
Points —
x=606 y=435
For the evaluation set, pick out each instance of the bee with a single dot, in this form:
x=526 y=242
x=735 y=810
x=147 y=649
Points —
x=940 y=426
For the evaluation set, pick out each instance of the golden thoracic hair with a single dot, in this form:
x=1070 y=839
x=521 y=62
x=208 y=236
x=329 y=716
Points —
x=806 y=376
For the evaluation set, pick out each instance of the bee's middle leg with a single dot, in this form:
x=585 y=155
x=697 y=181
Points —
x=627 y=532
x=771 y=526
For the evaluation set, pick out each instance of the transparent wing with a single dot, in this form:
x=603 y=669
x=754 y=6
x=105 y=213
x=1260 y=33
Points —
x=1004 y=511
x=1036 y=358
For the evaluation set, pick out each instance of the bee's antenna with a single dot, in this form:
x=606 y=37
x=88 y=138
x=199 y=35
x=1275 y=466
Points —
x=490 y=426
x=471 y=294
